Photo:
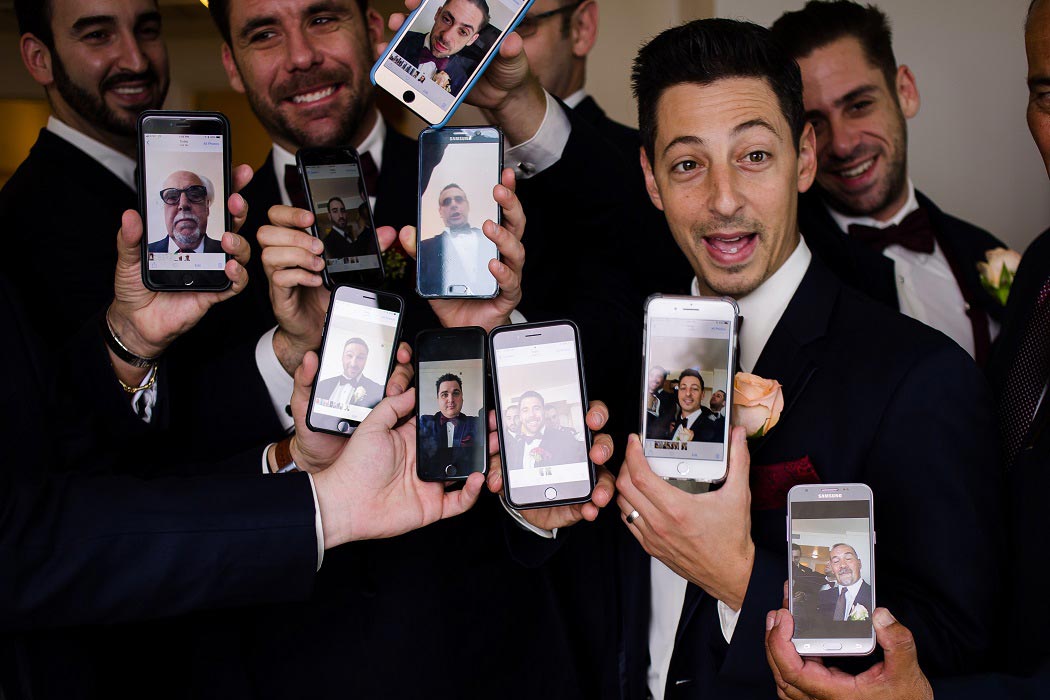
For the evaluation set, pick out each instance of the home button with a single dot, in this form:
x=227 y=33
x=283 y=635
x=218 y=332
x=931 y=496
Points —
x=551 y=493
x=187 y=280
x=343 y=426
x=832 y=646
x=450 y=470
x=683 y=467
x=409 y=96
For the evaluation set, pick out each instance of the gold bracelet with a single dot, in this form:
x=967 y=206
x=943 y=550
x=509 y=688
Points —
x=128 y=389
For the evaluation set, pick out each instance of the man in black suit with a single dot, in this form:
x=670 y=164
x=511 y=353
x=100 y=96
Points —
x=659 y=404
x=352 y=386
x=694 y=422
x=463 y=446
x=852 y=592
x=726 y=154
x=445 y=260
x=344 y=238
x=457 y=24
x=539 y=446
x=864 y=218
x=186 y=198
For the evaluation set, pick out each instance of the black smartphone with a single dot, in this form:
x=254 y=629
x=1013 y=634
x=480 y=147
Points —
x=458 y=167
x=538 y=368
x=358 y=353
x=335 y=189
x=184 y=182
x=452 y=440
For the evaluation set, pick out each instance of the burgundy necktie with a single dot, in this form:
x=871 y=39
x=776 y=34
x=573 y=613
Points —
x=914 y=232
x=1027 y=377
x=369 y=173
x=294 y=185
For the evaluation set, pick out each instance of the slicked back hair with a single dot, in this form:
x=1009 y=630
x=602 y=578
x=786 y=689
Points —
x=708 y=50
x=220 y=14
x=820 y=23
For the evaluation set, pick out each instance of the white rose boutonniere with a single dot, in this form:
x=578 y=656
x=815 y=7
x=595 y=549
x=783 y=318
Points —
x=997 y=272
x=859 y=613
x=359 y=393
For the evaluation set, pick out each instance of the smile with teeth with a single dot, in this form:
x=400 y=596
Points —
x=859 y=170
x=307 y=98
x=130 y=90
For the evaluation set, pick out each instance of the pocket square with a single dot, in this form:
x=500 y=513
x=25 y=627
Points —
x=770 y=483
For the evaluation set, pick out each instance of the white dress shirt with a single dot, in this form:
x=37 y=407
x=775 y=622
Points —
x=926 y=288
x=109 y=158
x=573 y=101
x=761 y=311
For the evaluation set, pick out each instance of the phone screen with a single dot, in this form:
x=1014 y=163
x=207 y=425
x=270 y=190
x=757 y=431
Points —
x=538 y=380
x=343 y=219
x=453 y=426
x=184 y=195
x=832 y=573
x=446 y=44
x=688 y=377
x=457 y=171
x=357 y=356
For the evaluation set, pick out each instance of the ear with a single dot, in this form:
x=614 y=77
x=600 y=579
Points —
x=650 y=180
x=807 y=158
x=907 y=92
x=233 y=73
x=374 y=26
x=37 y=59
x=584 y=28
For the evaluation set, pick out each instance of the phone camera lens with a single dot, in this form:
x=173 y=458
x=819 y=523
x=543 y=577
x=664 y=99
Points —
x=409 y=96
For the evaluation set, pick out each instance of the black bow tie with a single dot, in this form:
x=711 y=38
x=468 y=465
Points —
x=914 y=232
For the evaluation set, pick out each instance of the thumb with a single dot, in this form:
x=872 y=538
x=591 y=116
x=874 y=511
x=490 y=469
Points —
x=129 y=237
x=739 y=460
x=390 y=411
x=896 y=640
x=304 y=378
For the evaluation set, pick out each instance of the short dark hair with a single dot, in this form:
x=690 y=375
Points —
x=481 y=5
x=691 y=373
x=530 y=394
x=704 y=51
x=448 y=377
x=220 y=14
x=355 y=341
x=336 y=199
x=34 y=17
x=795 y=548
x=820 y=23
x=450 y=186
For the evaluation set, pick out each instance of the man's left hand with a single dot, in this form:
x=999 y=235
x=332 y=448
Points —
x=704 y=538
x=897 y=677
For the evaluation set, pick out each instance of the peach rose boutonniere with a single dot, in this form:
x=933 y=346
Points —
x=757 y=403
x=997 y=272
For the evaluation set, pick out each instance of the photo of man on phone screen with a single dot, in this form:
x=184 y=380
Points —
x=435 y=52
x=186 y=198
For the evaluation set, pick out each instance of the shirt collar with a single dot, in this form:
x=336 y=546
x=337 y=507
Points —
x=762 y=308
x=573 y=101
x=109 y=158
x=909 y=206
x=373 y=145
x=688 y=416
x=173 y=248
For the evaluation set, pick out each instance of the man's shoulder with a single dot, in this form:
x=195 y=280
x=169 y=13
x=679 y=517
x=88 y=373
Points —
x=160 y=246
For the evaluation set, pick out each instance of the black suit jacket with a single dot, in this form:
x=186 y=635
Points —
x=872 y=272
x=210 y=245
x=827 y=599
x=861 y=410
x=560 y=445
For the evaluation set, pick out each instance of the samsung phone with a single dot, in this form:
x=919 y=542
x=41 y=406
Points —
x=832 y=572
x=443 y=47
x=358 y=353
x=458 y=168
x=335 y=190
x=452 y=439
x=687 y=386
x=537 y=371
x=184 y=183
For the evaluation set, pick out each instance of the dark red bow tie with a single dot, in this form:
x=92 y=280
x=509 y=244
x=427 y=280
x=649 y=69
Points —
x=444 y=420
x=914 y=232
x=427 y=56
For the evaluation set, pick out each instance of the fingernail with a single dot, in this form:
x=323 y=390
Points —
x=770 y=619
x=883 y=618
x=779 y=616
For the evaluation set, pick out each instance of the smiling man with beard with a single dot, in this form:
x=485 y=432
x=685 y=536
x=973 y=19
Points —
x=865 y=218
x=101 y=63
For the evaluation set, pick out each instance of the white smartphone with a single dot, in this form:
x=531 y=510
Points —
x=687 y=386
x=441 y=50
x=831 y=577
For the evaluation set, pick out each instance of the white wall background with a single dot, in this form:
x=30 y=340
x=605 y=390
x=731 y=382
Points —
x=969 y=146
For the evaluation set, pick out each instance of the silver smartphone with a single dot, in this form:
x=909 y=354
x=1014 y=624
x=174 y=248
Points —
x=537 y=369
x=458 y=167
x=832 y=572
x=442 y=49
x=687 y=386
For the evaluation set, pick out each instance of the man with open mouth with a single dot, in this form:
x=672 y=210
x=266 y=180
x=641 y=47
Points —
x=865 y=218
x=457 y=25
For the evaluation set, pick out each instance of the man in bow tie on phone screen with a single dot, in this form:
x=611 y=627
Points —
x=864 y=218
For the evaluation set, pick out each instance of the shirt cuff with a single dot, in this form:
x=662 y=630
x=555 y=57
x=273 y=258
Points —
x=142 y=402
x=545 y=147
x=525 y=524
x=517 y=317
x=727 y=618
x=278 y=384
x=318 y=526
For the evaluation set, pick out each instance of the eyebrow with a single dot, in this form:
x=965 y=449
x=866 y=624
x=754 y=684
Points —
x=92 y=21
x=468 y=26
x=738 y=129
x=266 y=21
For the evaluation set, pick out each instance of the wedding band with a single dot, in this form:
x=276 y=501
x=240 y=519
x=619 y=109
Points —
x=632 y=516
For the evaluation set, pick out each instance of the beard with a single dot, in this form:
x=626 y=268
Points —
x=188 y=240
x=93 y=108
x=885 y=192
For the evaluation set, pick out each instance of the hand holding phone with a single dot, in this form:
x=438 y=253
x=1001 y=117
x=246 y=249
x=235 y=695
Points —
x=702 y=537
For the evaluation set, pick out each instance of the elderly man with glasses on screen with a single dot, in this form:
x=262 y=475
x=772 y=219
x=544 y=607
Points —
x=187 y=201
